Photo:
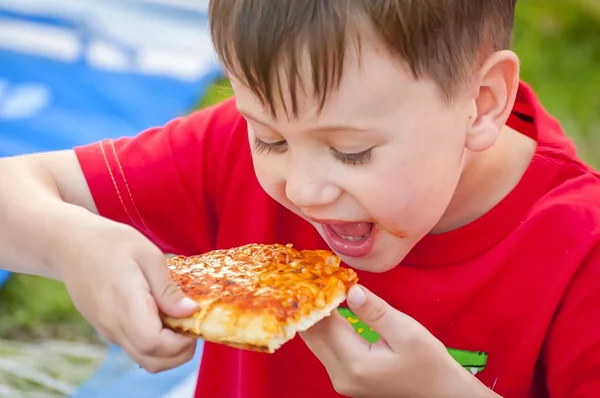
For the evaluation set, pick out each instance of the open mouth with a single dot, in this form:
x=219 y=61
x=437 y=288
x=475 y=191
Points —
x=352 y=239
x=353 y=232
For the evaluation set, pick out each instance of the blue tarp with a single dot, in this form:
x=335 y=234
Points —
x=73 y=72
x=120 y=377
x=77 y=71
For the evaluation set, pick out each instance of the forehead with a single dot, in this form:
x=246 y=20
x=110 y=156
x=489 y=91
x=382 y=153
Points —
x=373 y=84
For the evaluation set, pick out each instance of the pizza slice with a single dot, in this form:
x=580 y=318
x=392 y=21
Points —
x=257 y=297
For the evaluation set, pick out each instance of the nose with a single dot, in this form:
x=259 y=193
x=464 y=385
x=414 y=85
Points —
x=308 y=185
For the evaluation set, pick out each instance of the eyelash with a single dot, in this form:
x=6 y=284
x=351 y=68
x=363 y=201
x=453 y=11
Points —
x=352 y=159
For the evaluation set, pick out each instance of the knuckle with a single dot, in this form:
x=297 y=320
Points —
x=148 y=346
x=148 y=252
x=169 y=289
x=378 y=311
x=154 y=252
x=344 y=387
x=106 y=334
x=358 y=371
x=413 y=334
x=104 y=325
x=153 y=368
x=121 y=235
x=348 y=383
x=188 y=354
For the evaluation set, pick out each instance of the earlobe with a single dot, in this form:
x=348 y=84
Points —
x=498 y=82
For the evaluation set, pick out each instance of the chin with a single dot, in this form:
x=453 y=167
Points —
x=370 y=263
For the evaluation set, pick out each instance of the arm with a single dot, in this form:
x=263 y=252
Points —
x=100 y=217
x=37 y=193
x=49 y=228
x=161 y=183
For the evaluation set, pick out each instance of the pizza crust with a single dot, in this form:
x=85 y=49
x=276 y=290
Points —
x=258 y=297
x=255 y=335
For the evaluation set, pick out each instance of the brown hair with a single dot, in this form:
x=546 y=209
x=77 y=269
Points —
x=444 y=40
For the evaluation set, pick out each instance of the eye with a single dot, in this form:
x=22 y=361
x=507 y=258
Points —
x=260 y=146
x=352 y=158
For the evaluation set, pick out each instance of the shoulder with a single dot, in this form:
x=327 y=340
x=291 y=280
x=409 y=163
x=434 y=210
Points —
x=563 y=225
x=218 y=125
x=223 y=116
x=560 y=192
x=574 y=195
x=169 y=180
x=194 y=133
x=570 y=202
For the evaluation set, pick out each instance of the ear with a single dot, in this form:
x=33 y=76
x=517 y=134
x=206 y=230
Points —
x=498 y=82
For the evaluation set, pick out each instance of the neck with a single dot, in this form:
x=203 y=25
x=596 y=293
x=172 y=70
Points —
x=487 y=178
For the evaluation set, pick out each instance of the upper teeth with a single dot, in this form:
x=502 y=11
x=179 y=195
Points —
x=353 y=238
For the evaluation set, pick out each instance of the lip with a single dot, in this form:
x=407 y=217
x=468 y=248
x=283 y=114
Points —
x=328 y=221
x=345 y=247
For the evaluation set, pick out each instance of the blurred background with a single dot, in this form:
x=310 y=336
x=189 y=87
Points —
x=46 y=348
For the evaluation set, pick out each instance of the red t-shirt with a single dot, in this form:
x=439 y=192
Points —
x=518 y=290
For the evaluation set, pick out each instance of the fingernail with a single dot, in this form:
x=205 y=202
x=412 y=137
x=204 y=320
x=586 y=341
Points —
x=187 y=303
x=356 y=296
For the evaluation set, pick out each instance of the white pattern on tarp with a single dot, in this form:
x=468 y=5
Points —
x=23 y=101
x=118 y=36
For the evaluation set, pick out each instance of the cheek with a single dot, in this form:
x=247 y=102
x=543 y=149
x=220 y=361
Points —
x=408 y=193
x=270 y=179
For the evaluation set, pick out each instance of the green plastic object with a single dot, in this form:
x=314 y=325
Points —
x=473 y=361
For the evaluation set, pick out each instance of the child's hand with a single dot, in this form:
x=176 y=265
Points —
x=407 y=362
x=118 y=280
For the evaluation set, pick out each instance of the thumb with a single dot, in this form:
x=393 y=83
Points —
x=171 y=300
x=376 y=313
x=167 y=294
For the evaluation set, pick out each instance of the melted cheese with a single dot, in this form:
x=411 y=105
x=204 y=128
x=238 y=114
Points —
x=276 y=280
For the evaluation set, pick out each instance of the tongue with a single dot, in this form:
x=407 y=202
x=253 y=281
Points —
x=353 y=229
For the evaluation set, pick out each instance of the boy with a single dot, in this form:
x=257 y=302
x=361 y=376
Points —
x=396 y=133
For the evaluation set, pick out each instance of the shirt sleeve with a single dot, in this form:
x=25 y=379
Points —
x=162 y=181
x=572 y=350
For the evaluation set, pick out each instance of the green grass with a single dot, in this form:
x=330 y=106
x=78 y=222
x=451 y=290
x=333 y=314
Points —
x=218 y=92
x=37 y=308
x=558 y=43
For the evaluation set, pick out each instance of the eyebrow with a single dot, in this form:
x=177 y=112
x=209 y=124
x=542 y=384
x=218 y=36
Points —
x=328 y=128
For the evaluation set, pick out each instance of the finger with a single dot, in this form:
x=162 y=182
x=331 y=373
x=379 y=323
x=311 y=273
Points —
x=316 y=341
x=391 y=324
x=154 y=364
x=142 y=325
x=169 y=297
x=334 y=339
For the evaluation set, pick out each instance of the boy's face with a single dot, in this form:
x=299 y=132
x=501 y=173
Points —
x=375 y=170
